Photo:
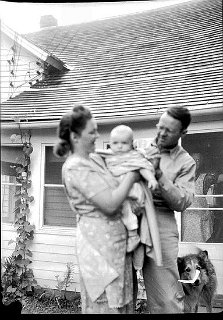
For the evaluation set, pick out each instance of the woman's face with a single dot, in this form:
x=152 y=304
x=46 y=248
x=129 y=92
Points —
x=86 y=141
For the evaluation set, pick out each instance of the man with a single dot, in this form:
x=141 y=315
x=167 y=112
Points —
x=175 y=174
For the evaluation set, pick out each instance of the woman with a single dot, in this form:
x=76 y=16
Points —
x=93 y=193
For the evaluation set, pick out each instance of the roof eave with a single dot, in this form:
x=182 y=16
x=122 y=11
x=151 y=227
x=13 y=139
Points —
x=103 y=121
x=32 y=48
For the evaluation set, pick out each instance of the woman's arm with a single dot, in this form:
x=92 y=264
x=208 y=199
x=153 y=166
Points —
x=110 y=200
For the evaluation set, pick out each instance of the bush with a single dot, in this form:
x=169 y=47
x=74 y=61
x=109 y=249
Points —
x=15 y=281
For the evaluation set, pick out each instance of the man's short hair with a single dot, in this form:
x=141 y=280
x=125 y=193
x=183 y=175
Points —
x=180 y=113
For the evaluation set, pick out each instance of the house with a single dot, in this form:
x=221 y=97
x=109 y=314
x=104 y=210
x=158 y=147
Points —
x=128 y=69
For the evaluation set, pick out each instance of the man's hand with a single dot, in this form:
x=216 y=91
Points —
x=153 y=155
x=155 y=161
x=158 y=173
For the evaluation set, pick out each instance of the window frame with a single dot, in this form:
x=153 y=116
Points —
x=4 y=223
x=62 y=230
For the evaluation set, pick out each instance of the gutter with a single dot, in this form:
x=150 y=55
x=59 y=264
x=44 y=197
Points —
x=54 y=124
x=149 y=117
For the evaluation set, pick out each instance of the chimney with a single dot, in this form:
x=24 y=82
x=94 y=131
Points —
x=48 y=21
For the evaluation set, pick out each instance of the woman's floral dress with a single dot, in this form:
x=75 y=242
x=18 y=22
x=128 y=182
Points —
x=105 y=268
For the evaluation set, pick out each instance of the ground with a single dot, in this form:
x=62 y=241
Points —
x=32 y=305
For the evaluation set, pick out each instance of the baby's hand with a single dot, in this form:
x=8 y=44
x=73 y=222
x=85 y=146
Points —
x=153 y=184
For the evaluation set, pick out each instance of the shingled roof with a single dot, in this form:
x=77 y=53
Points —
x=131 y=66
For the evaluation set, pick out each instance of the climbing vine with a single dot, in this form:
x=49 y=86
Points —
x=18 y=278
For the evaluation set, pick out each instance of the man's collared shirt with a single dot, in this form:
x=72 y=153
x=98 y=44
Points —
x=177 y=183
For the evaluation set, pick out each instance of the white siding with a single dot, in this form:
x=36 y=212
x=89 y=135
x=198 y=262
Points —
x=51 y=253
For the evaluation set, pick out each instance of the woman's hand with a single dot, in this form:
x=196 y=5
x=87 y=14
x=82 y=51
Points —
x=110 y=200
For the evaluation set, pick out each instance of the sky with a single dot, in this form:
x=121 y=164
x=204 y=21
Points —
x=24 y=17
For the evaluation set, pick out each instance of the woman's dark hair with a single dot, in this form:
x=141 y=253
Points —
x=72 y=121
x=180 y=113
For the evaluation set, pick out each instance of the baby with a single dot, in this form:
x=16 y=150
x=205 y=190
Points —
x=122 y=159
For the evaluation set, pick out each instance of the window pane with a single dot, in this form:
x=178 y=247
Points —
x=203 y=221
x=9 y=157
x=53 y=167
x=57 y=210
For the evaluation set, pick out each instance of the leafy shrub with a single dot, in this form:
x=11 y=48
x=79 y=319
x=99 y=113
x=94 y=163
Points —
x=17 y=278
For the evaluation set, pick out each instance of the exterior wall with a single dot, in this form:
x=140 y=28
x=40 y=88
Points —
x=53 y=247
x=18 y=67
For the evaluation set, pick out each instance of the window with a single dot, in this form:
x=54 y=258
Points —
x=9 y=157
x=203 y=221
x=57 y=210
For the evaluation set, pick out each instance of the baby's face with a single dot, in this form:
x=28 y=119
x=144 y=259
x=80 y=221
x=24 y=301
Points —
x=120 y=142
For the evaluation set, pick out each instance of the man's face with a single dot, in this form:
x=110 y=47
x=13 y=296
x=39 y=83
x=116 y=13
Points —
x=169 y=131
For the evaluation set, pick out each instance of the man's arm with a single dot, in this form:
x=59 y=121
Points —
x=180 y=193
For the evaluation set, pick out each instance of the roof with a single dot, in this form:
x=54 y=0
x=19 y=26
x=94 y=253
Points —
x=131 y=66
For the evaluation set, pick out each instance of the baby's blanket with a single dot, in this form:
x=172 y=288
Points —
x=148 y=228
